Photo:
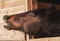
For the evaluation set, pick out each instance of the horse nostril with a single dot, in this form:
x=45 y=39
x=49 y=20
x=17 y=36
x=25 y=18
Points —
x=6 y=17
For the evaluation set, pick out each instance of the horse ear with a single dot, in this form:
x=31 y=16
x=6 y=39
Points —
x=31 y=14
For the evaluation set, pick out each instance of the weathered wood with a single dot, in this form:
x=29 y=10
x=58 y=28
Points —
x=47 y=39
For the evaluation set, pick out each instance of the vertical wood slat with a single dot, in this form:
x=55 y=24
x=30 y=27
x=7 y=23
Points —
x=29 y=4
x=35 y=4
x=32 y=4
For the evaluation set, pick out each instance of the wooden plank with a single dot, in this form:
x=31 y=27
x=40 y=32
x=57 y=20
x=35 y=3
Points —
x=47 y=39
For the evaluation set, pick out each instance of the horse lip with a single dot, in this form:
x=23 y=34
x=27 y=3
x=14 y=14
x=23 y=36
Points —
x=6 y=27
x=8 y=24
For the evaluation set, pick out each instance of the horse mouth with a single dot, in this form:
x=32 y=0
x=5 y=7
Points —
x=8 y=25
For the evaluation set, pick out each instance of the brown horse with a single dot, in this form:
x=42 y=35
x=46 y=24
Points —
x=35 y=23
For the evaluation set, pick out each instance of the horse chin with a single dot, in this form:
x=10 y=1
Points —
x=7 y=27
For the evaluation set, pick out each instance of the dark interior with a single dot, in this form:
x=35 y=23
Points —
x=50 y=1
